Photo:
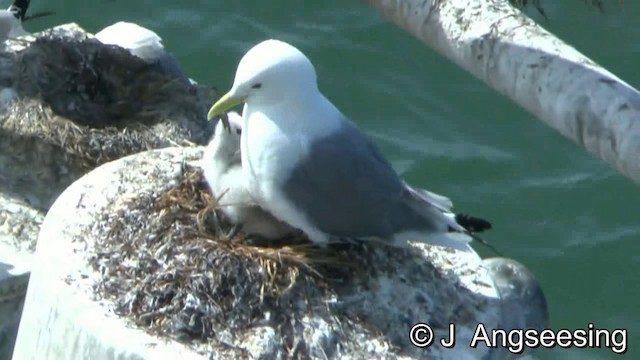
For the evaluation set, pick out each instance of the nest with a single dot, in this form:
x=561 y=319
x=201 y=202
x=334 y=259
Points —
x=80 y=104
x=99 y=85
x=161 y=262
x=100 y=102
x=193 y=282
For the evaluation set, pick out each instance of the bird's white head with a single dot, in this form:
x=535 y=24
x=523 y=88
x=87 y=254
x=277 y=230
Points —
x=269 y=73
x=235 y=126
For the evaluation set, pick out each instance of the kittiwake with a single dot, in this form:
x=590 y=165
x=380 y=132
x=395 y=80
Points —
x=311 y=167
x=223 y=172
x=144 y=44
x=11 y=19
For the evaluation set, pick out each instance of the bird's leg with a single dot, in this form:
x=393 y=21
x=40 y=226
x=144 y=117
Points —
x=235 y=229
x=485 y=243
x=216 y=223
x=183 y=167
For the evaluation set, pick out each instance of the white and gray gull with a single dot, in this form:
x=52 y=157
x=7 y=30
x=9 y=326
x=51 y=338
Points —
x=311 y=167
x=144 y=44
x=11 y=19
x=223 y=172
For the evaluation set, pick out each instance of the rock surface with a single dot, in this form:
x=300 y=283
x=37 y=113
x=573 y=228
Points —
x=123 y=272
x=67 y=105
x=78 y=104
x=14 y=276
x=357 y=302
x=523 y=304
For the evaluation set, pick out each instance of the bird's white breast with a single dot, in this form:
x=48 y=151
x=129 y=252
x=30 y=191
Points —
x=268 y=154
x=272 y=147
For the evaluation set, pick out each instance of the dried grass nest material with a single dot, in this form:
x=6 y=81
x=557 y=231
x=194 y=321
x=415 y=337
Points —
x=99 y=102
x=187 y=279
x=80 y=104
x=167 y=270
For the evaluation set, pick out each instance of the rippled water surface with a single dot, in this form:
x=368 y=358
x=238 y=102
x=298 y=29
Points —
x=570 y=218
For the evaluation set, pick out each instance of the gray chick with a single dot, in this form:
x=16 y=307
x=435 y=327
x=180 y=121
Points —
x=222 y=167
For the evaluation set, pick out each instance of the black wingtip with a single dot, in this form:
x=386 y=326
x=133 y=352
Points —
x=472 y=224
x=475 y=225
x=19 y=8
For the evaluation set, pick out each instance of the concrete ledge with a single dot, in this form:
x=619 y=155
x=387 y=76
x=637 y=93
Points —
x=62 y=319
x=50 y=138
x=19 y=227
x=366 y=314
x=14 y=276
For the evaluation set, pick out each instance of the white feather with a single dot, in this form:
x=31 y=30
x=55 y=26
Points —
x=10 y=26
x=223 y=172
x=140 y=41
x=284 y=114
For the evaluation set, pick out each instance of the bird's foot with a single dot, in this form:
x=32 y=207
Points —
x=235 y=229
x=216 y=223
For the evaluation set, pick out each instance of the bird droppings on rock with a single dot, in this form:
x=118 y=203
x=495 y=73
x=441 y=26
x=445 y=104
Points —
x=67 y=105
x=19 y=224
x=79 y=104
x=162 y=265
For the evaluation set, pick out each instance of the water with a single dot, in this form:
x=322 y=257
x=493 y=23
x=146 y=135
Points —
x=570 y=218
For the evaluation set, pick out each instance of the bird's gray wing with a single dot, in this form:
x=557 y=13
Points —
x=347 y=188
x=440 y=201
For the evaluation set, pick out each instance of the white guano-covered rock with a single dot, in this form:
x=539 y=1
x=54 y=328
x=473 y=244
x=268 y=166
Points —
x=14 y=276
x=107 y=259
x=19 y=227
x=50 y=138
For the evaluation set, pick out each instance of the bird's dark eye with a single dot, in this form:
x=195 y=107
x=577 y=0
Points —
x=238 y=131
x=256 y=86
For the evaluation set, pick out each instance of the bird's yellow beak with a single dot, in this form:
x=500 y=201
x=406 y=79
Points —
x=221 y=106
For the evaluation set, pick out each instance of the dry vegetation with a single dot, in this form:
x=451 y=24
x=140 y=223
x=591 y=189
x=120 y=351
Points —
x=80 y=104
x=171 y=268
x=99 y=102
